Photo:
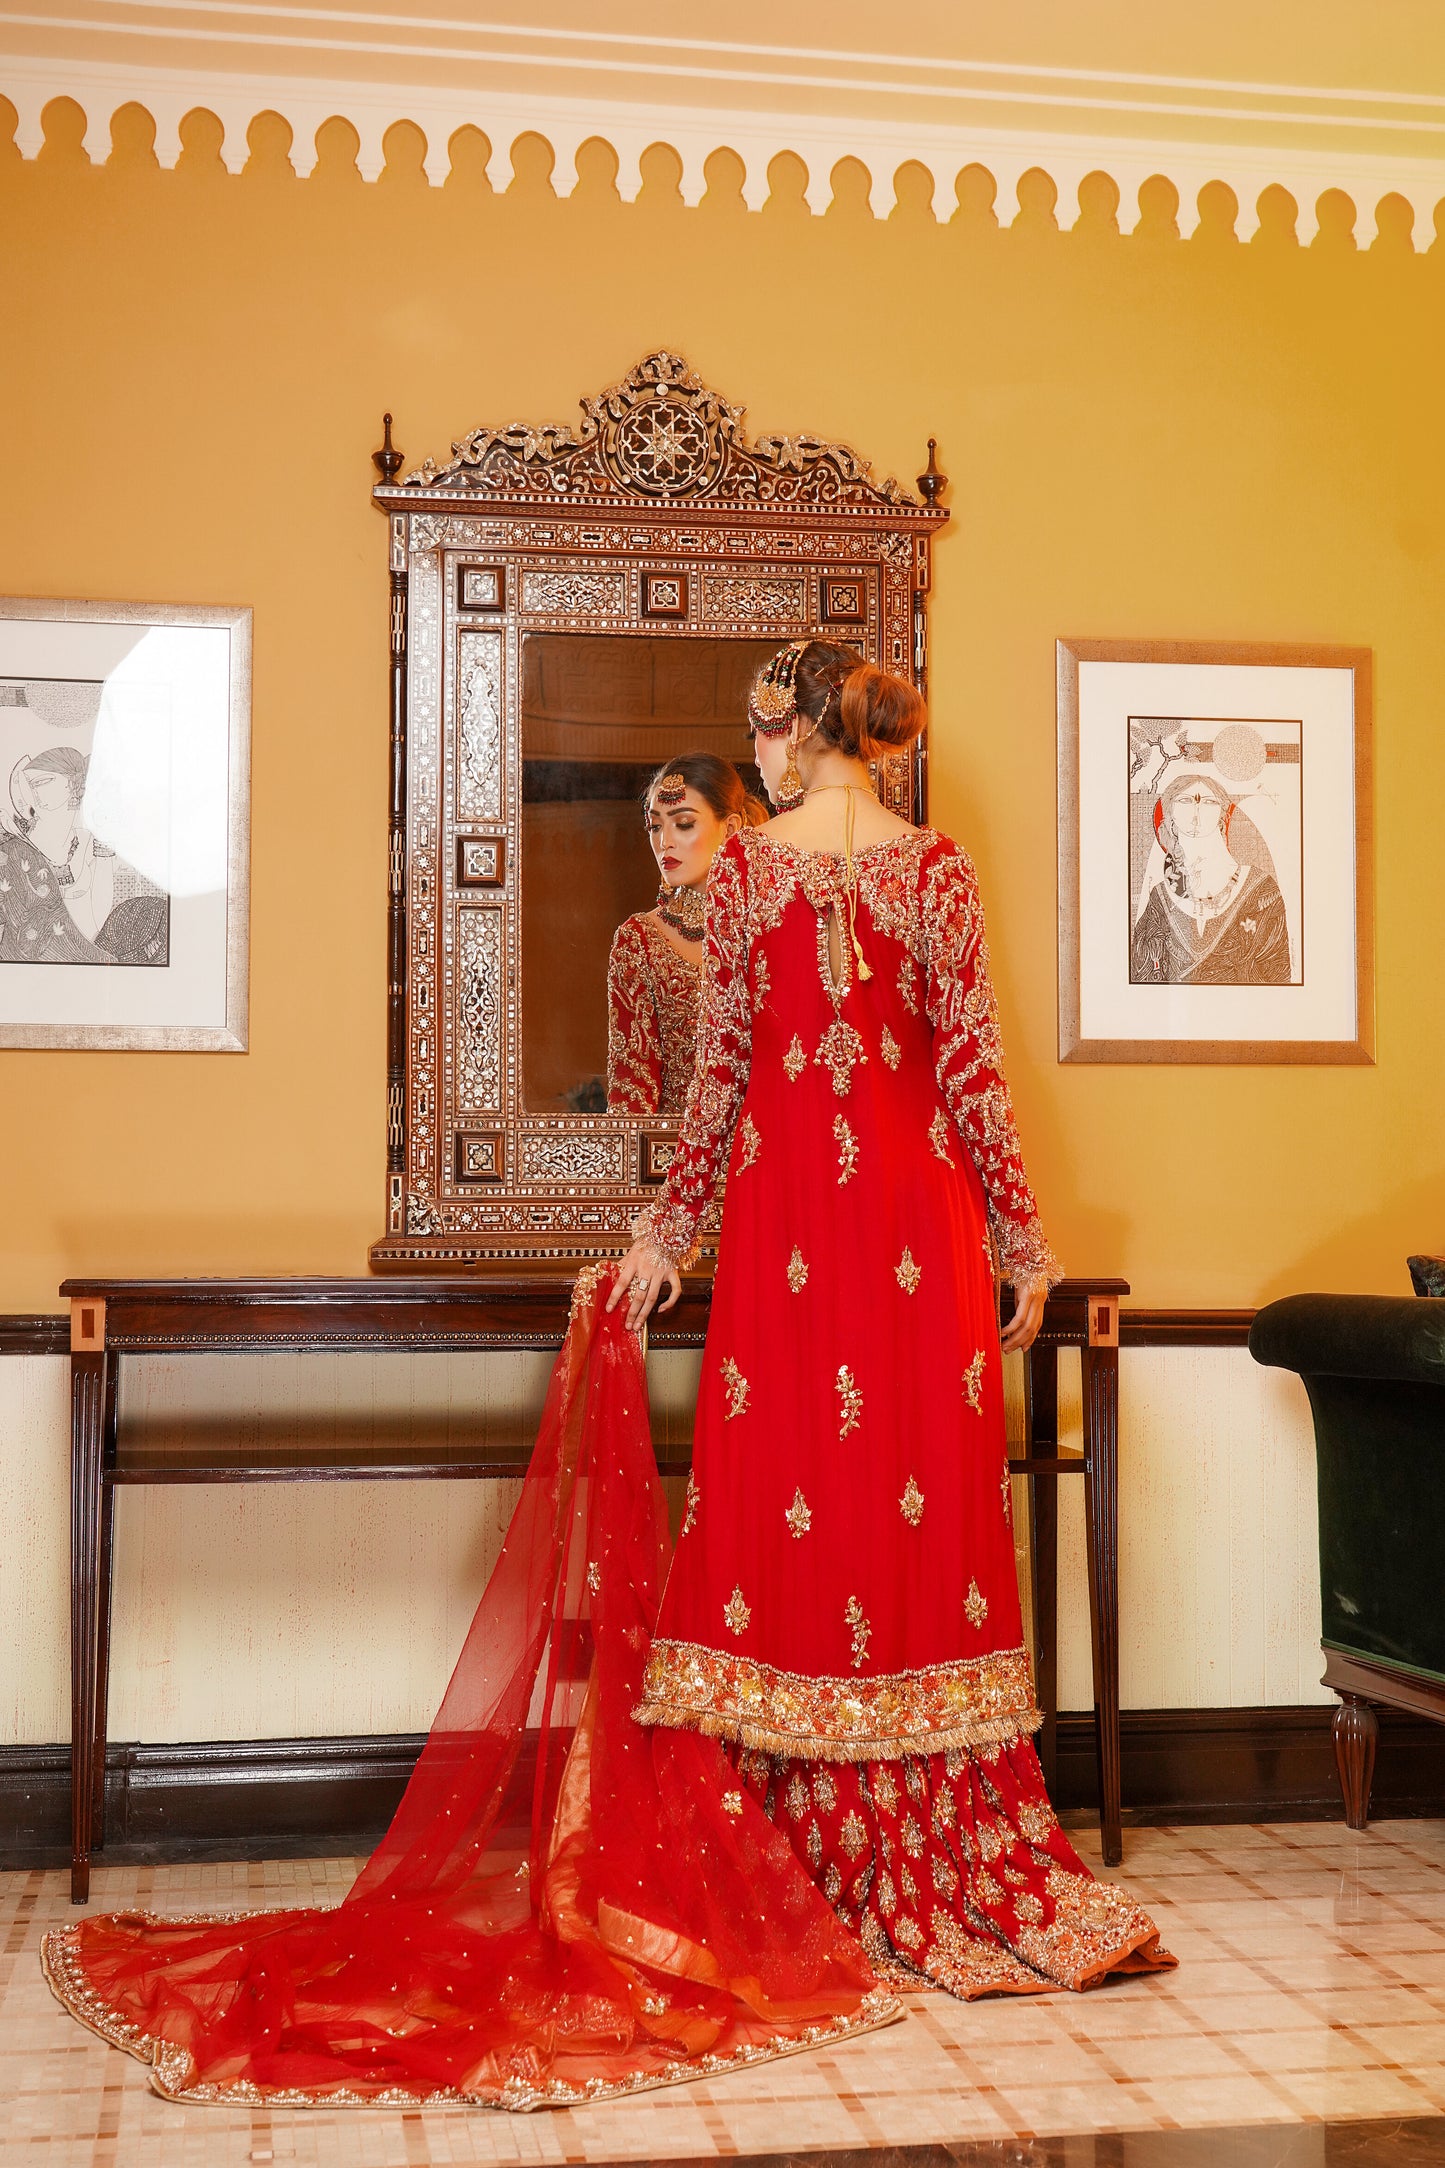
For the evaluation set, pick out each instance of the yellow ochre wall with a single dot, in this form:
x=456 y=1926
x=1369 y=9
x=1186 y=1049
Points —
x=1146 y=436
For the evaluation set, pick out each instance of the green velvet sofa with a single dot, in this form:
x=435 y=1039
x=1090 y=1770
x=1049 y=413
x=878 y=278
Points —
x=1374 y=1369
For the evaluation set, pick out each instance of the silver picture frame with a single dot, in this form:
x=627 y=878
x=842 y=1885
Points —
x=139 y=753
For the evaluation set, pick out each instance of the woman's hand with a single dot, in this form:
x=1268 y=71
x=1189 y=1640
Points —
x=641 y=1277
x=1023 y=1327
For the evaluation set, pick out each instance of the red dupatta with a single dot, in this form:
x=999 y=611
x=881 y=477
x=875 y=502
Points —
x=612 y=1916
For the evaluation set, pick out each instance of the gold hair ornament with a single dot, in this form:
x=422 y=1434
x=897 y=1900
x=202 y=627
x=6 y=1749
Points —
x=773 y=701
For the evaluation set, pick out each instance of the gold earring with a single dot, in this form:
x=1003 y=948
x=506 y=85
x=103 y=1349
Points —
x=790 y=792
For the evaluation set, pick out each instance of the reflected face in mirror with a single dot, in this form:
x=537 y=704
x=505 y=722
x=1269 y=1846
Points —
x=685 y=834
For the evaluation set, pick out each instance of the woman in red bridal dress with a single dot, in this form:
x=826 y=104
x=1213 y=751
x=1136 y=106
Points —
x=832 y=1778
x=692 y=805
x=842 y=1609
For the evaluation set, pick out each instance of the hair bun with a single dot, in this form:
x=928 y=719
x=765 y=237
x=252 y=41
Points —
x=879 y=713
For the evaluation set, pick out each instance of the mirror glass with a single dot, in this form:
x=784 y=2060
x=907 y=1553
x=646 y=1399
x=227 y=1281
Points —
x=601 y=713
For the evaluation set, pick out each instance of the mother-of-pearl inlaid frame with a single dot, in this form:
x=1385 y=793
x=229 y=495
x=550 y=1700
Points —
x=657 y=516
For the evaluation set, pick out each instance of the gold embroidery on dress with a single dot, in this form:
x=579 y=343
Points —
x=795 y=1061
x=972 y=1702
x=732 y=1802
x=891 y=1051
x=887 y=1896
x=853 y=1836
x=762 y=982
x=975 y=1605
x=795 y=1799
x=737 y=1612
x=945 y=1878
x=847 y=1149
x=850 y=1402
x=689 y=1505
x=862 y=1631
x=940 y=1136
x=832 y=1883
x=825 y=1789
x=885 y=1791
x=910 y=1505
x=814 y=1846
x=738 y=1388
x=799 y=1515
x=1007 y=1487
x=973 y=1383
x=907 y=1884
x=797 y=1271
x=748 y=1143
x=945 y=1812
x=1036 y=1820
x=652 y=1008
x=908 y=985
x=912 y=1837
x=908 y=1272
x=840 y=1050
x=906 y=1930
x=594 y=1578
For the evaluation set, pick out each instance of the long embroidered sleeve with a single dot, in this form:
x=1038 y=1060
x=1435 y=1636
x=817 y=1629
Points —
x=634 y=1048
x=720 y=1078
x=968 y=1058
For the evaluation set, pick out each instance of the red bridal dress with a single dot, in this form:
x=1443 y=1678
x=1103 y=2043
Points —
x=652 y=997
x=563 y=1909
x=843 y=1605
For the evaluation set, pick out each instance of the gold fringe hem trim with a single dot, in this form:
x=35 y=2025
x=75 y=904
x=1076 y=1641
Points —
x=980 y=1734
x=168 y=2066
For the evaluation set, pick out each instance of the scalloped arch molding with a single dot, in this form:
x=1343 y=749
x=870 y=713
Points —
x=572 y=83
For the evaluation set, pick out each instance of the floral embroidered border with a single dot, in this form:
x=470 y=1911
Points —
x=976 y=1701
x=171 y=2068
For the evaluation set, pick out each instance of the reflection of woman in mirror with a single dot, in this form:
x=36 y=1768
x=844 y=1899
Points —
x=1212 y=918
x=843 y=1607
x=692 y=805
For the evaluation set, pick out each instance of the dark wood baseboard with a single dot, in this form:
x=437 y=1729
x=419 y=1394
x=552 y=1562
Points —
x=1249 y=1765
x=298 y=1798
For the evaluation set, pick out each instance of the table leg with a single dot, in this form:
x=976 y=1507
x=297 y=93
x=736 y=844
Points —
x=105 y=1584
x=88 y=1393
x=1041 y=1438
x=1101 y=1492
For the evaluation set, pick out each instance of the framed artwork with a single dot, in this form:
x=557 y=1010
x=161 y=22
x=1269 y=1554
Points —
x=124 y=825
x=1215 y=873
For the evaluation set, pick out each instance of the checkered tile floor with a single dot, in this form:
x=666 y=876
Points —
x=1311 y=1988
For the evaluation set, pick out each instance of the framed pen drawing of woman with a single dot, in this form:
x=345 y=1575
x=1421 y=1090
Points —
x=1214 y=869
x=124 y=770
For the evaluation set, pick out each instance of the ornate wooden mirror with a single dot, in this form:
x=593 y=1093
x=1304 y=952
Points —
x=568 y=608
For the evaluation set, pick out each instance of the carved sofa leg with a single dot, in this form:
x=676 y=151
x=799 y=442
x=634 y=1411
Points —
x=1357 y=1730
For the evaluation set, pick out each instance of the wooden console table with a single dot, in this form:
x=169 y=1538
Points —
x=110 y=1319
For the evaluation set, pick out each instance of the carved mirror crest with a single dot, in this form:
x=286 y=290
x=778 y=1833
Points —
x=569 y=608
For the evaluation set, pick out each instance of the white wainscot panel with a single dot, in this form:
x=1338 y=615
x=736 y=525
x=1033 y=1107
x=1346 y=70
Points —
x=1219 y=1603
x=34 y=1549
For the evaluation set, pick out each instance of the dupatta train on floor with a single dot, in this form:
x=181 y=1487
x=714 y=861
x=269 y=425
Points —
x=615 y=1913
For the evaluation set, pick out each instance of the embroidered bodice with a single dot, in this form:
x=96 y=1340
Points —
x=652 y=1003
x=929 y=1001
